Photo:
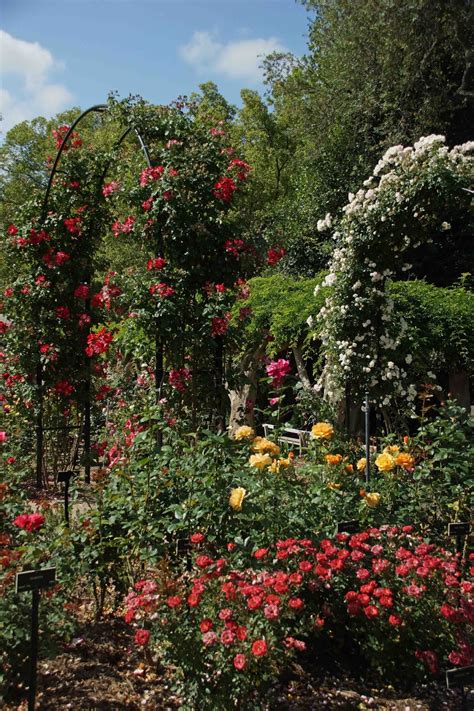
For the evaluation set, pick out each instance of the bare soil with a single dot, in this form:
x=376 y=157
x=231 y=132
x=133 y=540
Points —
x=101 y=670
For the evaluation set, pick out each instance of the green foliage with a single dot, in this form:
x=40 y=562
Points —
x=280 y=307
x=440 y=323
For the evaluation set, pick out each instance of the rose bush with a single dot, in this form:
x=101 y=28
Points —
x=232 y=623
x=413 y=198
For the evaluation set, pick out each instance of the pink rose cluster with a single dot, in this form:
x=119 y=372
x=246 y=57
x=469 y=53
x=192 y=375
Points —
x=278 y=370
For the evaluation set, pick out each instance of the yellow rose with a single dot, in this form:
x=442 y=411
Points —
x=236 y=497
x=278 y=464
x=392 y=449
x=260 y=444
x=333 y=486
x=385 y=462
x=333 y=458
x=372 y=499
x=361 y=464
x=259 y=461
x=322 y=430
x=405 y=460
x=244 y=432
x=274 y=466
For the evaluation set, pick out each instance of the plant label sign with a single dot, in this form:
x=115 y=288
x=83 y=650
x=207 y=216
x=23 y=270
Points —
x=35 y=579
x=348 y=527
x=459 y=529
x=64 y=477
x=459 y=677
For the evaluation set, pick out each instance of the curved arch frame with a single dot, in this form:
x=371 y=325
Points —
x=40 y=429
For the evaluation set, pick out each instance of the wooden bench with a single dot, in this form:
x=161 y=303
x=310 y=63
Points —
x=290 y=435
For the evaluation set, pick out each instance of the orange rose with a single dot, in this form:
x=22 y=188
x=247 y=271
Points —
x=333 y=458
x=405 y=460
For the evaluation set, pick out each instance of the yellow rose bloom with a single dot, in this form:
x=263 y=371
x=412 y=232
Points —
x=372 y=499
x=392 y=449
x=244 y=432
x=385 y=462
x=261 y=444
x=361 y=464
x=274 y=466
x=322 y=430
x=333 y=458
x=278 y=464
x=405 y=460
x=260 y=461
x=236 y=497
x=333 y=486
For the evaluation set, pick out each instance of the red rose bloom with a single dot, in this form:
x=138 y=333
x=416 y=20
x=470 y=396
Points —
x=156 y=263
x=30 y=522
x=142 y=637
x=224 y=189
x=63 y=312
x=203 y=561
x=174 y=601
x=82 y=292
x=259 y=648
x=206 y=625
x=61 y=258
x=296 y=603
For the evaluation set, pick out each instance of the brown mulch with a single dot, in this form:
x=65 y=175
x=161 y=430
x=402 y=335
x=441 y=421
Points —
x=101 y=670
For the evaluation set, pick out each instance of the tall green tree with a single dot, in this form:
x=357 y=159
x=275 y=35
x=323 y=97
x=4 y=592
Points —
x=377 y=73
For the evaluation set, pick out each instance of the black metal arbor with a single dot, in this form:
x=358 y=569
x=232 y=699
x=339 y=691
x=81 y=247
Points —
x=40 y=426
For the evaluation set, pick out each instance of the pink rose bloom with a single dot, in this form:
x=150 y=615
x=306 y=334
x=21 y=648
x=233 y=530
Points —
x=239 y=661
x=277 y=370
x=271 y=612
x=3 y=436
x=209 y=638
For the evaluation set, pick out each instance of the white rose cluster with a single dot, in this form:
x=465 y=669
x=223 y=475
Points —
x=366 y=343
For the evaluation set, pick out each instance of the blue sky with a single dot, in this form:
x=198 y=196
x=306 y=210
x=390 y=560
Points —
x=60 y=53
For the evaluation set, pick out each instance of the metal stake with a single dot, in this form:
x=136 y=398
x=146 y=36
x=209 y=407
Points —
x=367 y=437
x=34 y=650
x=39 y=428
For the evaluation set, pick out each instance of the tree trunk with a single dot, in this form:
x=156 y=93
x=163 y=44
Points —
x=243 y=390
x=302 y=372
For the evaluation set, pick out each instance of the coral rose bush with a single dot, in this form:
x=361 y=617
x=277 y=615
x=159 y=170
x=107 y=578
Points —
x=234 y=617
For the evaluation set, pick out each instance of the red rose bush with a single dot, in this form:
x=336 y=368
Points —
x=405 y=605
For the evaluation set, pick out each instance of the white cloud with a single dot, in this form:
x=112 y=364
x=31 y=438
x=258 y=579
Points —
x=236 y=60
x=36 y=95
